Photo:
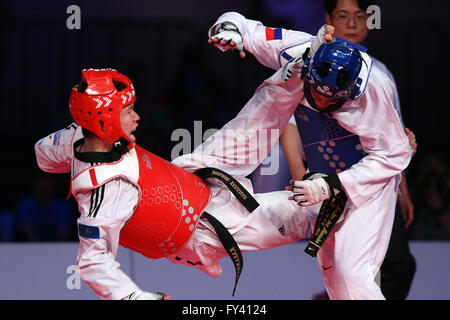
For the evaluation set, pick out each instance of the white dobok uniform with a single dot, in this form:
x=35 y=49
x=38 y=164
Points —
x=238 y=148
x=354 y=251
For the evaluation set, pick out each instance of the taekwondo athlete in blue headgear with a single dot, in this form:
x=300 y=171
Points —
x=357 y=139
x=333 y=72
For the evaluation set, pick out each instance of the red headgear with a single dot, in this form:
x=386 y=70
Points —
x=95 y=104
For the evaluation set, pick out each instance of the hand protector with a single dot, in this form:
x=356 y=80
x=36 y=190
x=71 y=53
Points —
x=229 y=32
x=293 y=66
x=314 y=188
x=310 y=192
x=142 y=295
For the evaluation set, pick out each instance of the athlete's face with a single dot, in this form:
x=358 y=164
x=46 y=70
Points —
x=349 y=21
x=129 y=121
x=321 y=101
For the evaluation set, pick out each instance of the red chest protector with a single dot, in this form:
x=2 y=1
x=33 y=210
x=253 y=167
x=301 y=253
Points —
x=170 y=203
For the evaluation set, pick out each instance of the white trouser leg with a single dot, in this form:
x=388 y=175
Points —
x=277 y=221
x=352 y=255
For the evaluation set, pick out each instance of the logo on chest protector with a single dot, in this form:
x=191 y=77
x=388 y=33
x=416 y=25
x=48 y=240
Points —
x=146 y=160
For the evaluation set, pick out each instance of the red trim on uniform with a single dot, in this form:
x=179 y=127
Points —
x=270 y=34
x=93 y=177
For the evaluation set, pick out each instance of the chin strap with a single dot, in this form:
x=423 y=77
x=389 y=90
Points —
x=121 y=145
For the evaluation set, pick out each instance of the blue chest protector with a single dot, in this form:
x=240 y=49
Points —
x=328 y=147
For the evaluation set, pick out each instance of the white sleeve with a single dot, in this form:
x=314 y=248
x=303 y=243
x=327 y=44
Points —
x=265 y=50
x=103 y=213
x=376 y=122
x=54 y=153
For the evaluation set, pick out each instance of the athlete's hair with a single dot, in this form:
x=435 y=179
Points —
x=329 y=5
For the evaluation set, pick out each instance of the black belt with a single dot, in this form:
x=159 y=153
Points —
x=224 y=235
x=329 y=213
x=236 y=188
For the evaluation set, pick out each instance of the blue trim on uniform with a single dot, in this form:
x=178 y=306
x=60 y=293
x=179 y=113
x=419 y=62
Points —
x=56 y=136
x=90 y=232
x=285 y=49
x=363 y=90
x=286 y=56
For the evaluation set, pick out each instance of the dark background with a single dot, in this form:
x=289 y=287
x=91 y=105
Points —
x=179 y=78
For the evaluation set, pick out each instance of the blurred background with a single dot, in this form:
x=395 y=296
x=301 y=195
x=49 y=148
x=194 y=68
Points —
x=179 y=78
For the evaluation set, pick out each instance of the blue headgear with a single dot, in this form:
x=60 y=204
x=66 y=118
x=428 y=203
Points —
x=333 y=72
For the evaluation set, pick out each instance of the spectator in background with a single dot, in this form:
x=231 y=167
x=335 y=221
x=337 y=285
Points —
x=42 y=215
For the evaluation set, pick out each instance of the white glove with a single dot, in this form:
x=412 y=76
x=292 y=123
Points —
x=293 y=66
x=142 y=295
x=229 y=32
x=310 y=192
x=319 y=39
